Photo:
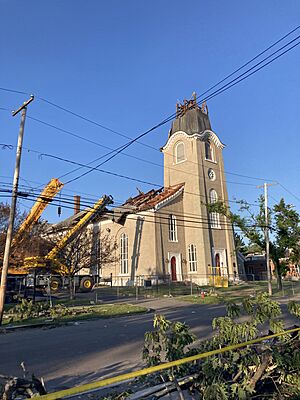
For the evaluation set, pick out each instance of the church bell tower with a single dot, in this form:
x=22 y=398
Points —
x=193 y=155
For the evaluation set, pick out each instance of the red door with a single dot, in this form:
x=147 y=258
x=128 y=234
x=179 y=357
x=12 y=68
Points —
x=173 y=269
x=217 y=264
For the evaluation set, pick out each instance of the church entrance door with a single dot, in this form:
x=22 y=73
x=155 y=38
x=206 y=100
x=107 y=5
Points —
x=217 y=264
x=173 y=269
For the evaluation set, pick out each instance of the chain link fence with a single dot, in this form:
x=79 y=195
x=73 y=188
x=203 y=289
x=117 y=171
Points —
x=237 y=286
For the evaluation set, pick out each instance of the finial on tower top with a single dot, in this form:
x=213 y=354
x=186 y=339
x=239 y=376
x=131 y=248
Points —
x=181 y=109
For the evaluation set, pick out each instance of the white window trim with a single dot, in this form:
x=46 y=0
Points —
x=180 y=162
x=223 y=260
x=212 y=150
x=192 y=262
x=172 y=233
x=121 y=273
x=211 y=161
x=178 y=257
x=175 y=162
x=214 y=217
x=214 y=220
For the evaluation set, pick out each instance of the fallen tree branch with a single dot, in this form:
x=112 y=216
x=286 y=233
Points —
x=260 y=370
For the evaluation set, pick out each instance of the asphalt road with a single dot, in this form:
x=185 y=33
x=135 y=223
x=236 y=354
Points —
x=72 y=355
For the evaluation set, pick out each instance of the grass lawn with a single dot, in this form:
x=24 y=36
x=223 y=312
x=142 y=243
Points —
x=183 y=291
x=79 y=313
x=75 y=302
x=239 y=292
x=199 y=300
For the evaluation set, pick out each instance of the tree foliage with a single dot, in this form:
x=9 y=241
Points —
x=284 y=224
x=85 y=252
x=4 y=217
x=31 y=243
x=270 y=370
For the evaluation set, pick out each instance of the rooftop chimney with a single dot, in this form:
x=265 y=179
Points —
x=76 y=204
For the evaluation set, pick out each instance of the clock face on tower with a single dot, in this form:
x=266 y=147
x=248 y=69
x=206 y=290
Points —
x=211 y=174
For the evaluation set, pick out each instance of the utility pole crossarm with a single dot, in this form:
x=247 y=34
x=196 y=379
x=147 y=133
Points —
x=23 y=106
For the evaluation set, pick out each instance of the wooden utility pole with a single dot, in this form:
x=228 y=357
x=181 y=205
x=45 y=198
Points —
x=12 y=213
x=267 y=239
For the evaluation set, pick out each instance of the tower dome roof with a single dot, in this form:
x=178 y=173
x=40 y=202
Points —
x=190 y=118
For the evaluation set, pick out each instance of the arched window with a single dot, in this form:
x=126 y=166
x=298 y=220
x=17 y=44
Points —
x=123 y=254
x=209 y=152
x=179 y=152
x=172 y=228
x=192 y=258
x=214 y=216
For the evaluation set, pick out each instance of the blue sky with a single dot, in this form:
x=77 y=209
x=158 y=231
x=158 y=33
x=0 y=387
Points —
x=125 y=64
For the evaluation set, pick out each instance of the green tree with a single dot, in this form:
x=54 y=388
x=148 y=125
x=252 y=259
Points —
x=4 y=217
x=267 y=370
x=85 y=252
x=30 y=243
x=240 y=244
x=284 y=224
x=285 y=247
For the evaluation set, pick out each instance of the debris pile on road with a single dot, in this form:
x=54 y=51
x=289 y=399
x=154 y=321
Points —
x=15 y=388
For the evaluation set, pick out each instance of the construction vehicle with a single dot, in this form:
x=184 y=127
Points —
x=50 y=272
x=50 y=190
x=17 y=274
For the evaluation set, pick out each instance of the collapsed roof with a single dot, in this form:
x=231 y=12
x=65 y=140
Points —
x=152 y=200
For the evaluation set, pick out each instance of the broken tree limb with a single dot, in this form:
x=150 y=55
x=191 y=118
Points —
x=260 y=370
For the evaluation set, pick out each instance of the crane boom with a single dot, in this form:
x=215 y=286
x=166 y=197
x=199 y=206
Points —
x=50 y=190
x=51 y=262
x=82 y=223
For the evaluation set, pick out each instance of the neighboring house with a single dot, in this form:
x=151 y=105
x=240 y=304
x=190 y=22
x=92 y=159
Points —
x=169 y=232
x=255 y=267
x=294 y=272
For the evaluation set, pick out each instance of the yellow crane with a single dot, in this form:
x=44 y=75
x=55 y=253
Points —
x=51 y=261
x=16 y=274
x=50 y=190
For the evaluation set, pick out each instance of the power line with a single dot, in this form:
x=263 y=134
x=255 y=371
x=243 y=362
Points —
x=71 y=133
x=121 y=148
x=219 y=91
x=87 y=166
x=126 y=154
x=252 y=59
x=13 y=91
x=273 y=198
x=195 y=224
x=288 y=191
x=109 y=172
x=118 y=175
x=128 y=137
x=121 y=205
x=226 y=87
x=132 y=156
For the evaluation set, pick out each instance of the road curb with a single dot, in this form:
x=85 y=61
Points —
x=72 y=322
